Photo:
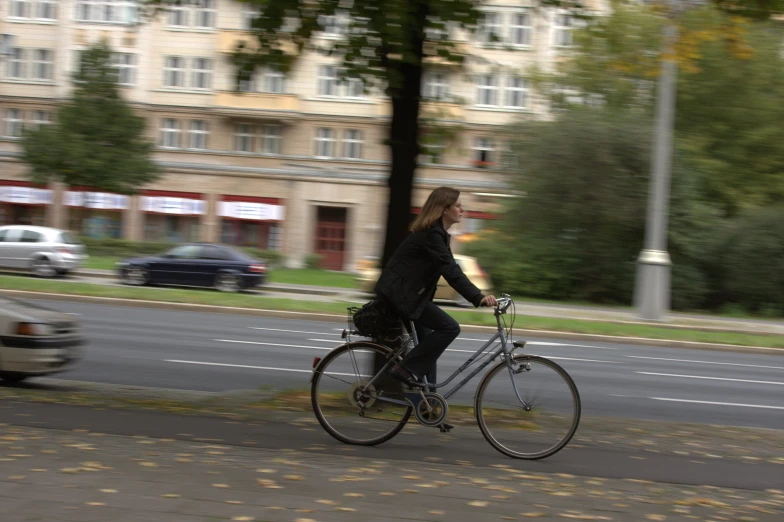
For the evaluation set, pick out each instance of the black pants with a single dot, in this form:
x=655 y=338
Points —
x=435 y=331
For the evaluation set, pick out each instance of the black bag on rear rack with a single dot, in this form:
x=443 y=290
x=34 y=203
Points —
x=376 y=319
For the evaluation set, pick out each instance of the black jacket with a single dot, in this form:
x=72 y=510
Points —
x=409 y=280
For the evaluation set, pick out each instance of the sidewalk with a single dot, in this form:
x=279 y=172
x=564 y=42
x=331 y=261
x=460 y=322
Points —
x=82 y=476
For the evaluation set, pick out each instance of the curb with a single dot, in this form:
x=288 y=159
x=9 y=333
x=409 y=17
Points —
x=316 y=316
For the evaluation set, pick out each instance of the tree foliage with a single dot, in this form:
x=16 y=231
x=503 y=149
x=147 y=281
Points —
x=96 y=139
x=729 y=92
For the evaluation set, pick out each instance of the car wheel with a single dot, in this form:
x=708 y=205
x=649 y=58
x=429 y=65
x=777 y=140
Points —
x=13 y=377
x=227 y=283
x=42 y=267
x=135 y=276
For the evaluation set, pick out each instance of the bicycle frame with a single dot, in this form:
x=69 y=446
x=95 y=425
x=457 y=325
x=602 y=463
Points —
x=503 y=348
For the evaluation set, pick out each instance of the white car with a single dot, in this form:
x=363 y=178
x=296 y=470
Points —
x=35 y=340
x=48 y=252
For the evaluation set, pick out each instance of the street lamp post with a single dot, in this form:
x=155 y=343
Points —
x=652 y=290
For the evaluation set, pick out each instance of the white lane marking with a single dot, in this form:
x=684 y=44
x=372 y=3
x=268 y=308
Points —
x=710 y=378
x=719 y=403
x=582 y=360
x=448 y=350
x=544 y=343
x=258 y=367
x=707 y=362
x=272 y=344
x=290 y=331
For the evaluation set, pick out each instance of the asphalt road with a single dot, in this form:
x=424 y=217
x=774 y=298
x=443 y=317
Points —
x=219 y=352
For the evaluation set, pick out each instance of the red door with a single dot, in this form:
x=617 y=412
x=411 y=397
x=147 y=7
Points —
x=331 y=237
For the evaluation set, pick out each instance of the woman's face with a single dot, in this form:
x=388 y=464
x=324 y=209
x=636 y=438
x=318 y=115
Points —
x=454 y=213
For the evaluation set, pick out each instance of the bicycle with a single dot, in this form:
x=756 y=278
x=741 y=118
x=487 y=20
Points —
x=531 y=415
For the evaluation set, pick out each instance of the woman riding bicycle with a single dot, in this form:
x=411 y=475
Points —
x=408 y=284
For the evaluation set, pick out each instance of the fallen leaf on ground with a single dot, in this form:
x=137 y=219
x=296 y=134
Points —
x=478 y=503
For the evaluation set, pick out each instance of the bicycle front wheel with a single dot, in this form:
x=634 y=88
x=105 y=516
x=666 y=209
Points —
x=528 y=409
x=347 y=406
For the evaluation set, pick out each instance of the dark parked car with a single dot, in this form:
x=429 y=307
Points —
x=196 y=264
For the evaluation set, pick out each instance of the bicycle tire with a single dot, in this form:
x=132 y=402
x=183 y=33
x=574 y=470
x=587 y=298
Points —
x=516 y=425
x=397 y=420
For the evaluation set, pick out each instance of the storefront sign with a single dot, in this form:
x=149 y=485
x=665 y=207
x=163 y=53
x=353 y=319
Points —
x=98 y=200
x=167 y=205
x=25 y=195
x=250 y=211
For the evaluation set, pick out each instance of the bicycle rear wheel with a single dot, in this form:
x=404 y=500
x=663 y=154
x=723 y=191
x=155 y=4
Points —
x=343 y=409
x=530 y=412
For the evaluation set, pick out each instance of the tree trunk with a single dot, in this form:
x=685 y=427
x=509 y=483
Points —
x=404 y=143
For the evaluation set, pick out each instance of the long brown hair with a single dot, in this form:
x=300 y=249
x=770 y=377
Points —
x=433 y=210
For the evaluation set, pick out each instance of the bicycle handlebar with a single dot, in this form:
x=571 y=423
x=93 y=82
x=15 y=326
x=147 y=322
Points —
x=503 y=303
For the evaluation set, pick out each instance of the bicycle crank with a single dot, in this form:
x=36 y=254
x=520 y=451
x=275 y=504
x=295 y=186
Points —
x=430 y=409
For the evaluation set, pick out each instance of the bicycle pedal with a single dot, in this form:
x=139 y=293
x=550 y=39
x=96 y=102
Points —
x=445 y=428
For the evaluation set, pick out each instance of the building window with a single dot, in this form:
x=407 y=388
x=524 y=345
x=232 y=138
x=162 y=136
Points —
x=328 y=80
x=178 y=16
x=170 y=133
x=202 y=73
x=126 y=68
x=13 y=123
x=517 y=93
x=106 y=11
x=274 y=82
x=490 y=28
x=249 y=15
x=16 y=63
x=42 y=64
x=483 y=152
x=41 y=118
x=325 y=143
x=243 y=137
x=197 y=135
x=270 y=139
x=563 y=26
x=334 y=25
x=19 y=8
x=487 y=90
x=352 y=144
x=174 y=72
x=435 y=86
x=204 y=14
x=520 y=33
x=329 y=84
x=47 y=9
x=433 y=149
x=199 y=14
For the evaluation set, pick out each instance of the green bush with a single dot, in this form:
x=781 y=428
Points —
x=313 y=261
x=752 y=261
x=123 y=247
x=273 y=258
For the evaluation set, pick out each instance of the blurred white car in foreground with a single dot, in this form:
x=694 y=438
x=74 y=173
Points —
x=35 y=340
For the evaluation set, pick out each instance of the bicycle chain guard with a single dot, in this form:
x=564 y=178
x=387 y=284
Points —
x=437 y=405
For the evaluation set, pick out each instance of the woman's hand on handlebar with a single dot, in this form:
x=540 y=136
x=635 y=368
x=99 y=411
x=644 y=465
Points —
x=489 y=300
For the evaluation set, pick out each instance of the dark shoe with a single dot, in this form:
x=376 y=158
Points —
x=445 y=427
x=406 y=376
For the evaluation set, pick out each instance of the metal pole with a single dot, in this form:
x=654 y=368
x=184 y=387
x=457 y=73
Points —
x=652 y=291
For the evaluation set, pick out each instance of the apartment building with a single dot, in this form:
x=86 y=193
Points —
x=292 y=162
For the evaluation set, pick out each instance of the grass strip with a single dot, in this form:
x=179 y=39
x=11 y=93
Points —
x=214 y=298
